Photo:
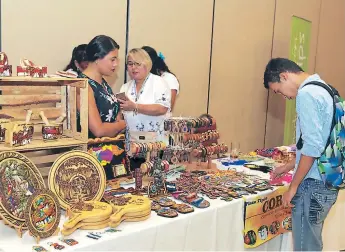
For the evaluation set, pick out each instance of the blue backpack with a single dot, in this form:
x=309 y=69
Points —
x=331 y=163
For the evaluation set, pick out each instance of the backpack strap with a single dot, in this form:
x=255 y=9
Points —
x=333 y=92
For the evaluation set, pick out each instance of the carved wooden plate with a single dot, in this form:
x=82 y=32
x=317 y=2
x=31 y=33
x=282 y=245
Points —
x=43 y=213
x=77 y=176
x=19 y=178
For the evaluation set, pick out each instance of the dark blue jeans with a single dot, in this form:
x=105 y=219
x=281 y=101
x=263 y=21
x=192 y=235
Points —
x=312 y=204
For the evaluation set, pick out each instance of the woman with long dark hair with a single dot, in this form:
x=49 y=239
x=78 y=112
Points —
x=78 y=62
x=104 y=117
x=160 y=68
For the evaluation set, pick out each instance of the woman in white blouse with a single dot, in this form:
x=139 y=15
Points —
x=160 y=68
x=148 y=95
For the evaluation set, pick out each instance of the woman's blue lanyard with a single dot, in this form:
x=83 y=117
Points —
x=134 y=91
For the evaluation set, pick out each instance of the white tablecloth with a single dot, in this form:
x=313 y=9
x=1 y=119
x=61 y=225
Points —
x=218 y=227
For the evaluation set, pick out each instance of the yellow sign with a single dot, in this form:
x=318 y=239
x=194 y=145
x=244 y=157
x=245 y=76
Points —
x=265 y=218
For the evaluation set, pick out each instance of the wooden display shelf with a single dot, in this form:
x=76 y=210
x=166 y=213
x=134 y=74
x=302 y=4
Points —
x=54 y=97
x=38 y=144
x=48 y=81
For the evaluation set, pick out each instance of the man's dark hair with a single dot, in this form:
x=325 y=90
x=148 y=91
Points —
x=277 y=66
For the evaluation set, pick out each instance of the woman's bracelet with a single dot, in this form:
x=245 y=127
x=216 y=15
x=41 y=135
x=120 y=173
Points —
x=135 y=111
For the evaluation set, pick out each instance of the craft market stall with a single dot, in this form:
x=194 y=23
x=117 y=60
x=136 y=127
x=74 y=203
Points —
x=60 y=190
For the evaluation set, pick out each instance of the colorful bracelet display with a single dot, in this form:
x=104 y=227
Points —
x=147 y=166
x=176 y=156
x=205 y=151
x=184 y=125
x=202 y=137
x=137 y=147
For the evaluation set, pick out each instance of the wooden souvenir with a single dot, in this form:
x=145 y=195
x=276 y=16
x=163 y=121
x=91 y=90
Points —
x=4 y=123
x=130 y=219
x=92 y=211
x=154 y=189
x=86 y=226
x=183 y=208
x=43 y=214
x=52 y=132
x=167 y=212
x=19 y=178
x=19 y=134
x=77 y=176
x=128 y=204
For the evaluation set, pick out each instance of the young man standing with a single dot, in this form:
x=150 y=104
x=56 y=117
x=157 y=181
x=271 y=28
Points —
x=307 y=195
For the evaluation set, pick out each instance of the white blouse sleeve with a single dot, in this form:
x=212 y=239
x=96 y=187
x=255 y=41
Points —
x=172 y=81
x=162 y=93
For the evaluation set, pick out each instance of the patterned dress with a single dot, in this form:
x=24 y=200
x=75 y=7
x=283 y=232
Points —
x=106 y=101
x=112 y=155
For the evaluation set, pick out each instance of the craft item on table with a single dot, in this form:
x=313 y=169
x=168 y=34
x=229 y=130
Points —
x=87 y=215
x=214 y=149
x=262 y=168
x=202 y=137
x=138 y=179
x=191 y=198
x=176 y=156
x=274 y=153
x=250 y=157
x=38 y=249
x=137 y=147
x=68 y=74
x=157 y=187
x=4 y=123
x=155 y=206
x=183 y=208
x=167 y=212
x=92 y=237
x=56 y=245
x=184 y=125
x=5 y=68
x=43 y=214
x=283 y=179
x=164 y=201
x=70 y=242
x=95 y=235
x=19 y=179
x=111 y=153
x=129 y=208
x=52 y=131
x=76 y=176
x=269 y=162
x=110 y=194
x=229 y=162
x=171 y=186
x=28 y=68
x=233 y=184
x=20 y=133
x=119 y=183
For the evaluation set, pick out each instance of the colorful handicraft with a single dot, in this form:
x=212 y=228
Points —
x=112 y=157
x=19 y=178
x=77 y=176
x=157 y=187
x=43 y=213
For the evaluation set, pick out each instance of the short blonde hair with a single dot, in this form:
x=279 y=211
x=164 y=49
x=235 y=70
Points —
x=141 y=56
